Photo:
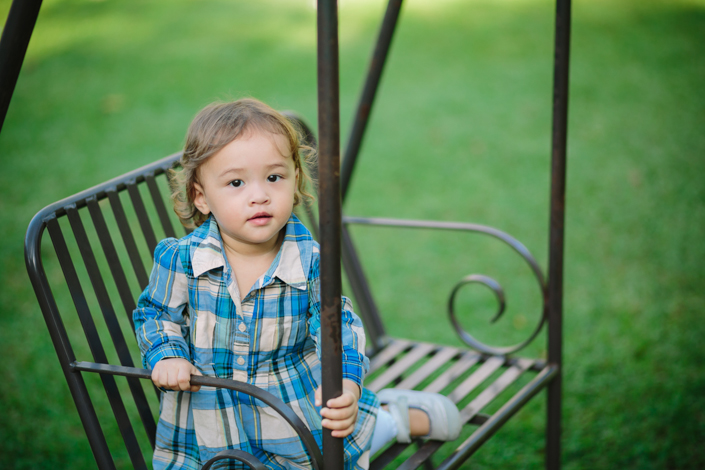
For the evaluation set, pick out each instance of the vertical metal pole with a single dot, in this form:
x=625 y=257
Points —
x=13 y=47
x=364 y=107
x=330 y=215
x=556 y=242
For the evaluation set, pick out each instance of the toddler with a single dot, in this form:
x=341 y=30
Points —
x=239 y=298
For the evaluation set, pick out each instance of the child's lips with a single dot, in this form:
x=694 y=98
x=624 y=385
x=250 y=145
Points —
x=260 y=218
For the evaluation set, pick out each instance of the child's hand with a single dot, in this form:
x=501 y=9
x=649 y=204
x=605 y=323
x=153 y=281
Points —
x=175 y=374
x=340 y=415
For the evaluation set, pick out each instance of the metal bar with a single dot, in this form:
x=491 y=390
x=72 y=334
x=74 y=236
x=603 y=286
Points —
x=419 y=351
x=159 y=205
x=515 y=244
x=234 y=454
x=13 y=47
x=128 y=238
x=118 y=183
x=142 y=216
x=364 y=302
x=477 y=377
x=465 y=362
x=443 y=356
x=470 y=411
x=91 y=333
x=497 y=387
x=557 y=229
x=106 y=242
x=329 y=209
x=388 y=456
x=62 y=345
x=364 y=108
x=395 y=347
x=457 y=458
x=271 y=400
x=111 y=320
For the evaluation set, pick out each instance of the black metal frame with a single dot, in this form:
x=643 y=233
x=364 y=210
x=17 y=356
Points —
x=336 y=244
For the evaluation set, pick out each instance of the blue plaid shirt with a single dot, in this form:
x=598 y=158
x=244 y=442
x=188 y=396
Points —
x=192 y=309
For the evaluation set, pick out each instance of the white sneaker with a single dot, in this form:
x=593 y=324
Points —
x=442 y=413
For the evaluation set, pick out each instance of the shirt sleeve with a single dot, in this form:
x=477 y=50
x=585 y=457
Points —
x=161 y=317
x=355 y=363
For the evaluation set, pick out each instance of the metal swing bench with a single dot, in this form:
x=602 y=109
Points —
x=114 y=227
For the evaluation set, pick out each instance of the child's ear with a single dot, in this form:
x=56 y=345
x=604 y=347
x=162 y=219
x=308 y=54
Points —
x=199 y=199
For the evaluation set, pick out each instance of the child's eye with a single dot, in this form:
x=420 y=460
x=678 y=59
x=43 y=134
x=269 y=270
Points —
x=236 y=183
x=273 y=178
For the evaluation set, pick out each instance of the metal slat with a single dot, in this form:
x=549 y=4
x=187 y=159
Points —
x=472 y=409
x=128 y=238
x=395 y=347
x=476 y=378
x=441 y=357
x=159 y=205
x=142 y=216
x=514 y=404
x=497 y=387
x=94 y=343
x=119 y=276
x=416 y=353
x=465 y=362
x=111 y=255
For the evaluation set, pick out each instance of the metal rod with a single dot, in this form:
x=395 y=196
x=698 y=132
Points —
x=487 y=430
x=374 y=74
x=13 y=47
x=557 y=230
x=330 y=218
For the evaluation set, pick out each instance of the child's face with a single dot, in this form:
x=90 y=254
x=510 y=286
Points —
x=249 y=187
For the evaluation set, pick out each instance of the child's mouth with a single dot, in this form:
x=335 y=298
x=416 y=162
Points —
x=260 y=218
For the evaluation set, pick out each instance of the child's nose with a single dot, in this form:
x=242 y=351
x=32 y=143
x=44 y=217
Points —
x=259 y=194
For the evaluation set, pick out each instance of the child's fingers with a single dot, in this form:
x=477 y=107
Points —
x=344 y=426
x=317 y=396
x=342 y=401
x=343 y=432
x=339 y=413
x=194 y=371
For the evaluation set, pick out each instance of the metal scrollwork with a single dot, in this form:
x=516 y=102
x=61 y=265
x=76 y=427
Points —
x=475 y=278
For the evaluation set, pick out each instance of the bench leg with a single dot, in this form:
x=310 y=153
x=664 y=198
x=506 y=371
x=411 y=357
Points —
x=553 y=425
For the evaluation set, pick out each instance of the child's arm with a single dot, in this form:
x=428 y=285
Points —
x=340 y=414
x=162 y=322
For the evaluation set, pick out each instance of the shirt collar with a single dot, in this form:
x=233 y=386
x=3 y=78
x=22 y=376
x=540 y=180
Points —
x=291 y=265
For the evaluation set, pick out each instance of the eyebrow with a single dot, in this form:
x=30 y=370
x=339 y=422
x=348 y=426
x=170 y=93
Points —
x=240 y=170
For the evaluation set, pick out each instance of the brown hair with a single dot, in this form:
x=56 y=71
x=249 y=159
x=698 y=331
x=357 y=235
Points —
x=214 y=127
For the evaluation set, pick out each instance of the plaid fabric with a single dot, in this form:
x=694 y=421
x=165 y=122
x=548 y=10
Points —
x=270 y=338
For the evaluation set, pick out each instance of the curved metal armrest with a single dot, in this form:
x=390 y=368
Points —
x=279 y=406
x=515 y=244
x=248 y=459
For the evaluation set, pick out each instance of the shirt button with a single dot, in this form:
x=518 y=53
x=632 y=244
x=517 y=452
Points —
x=242 y=327
x=240 y=360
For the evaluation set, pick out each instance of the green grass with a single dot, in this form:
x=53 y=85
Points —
x=460 y=131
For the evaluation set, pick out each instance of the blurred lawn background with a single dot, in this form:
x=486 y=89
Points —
x=460 y=131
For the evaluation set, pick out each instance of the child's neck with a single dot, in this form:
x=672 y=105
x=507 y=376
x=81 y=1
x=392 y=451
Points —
x=250 y=262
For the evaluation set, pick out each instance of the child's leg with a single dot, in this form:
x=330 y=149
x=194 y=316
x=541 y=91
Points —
x=421 y=414
x=386 y=427
x=385 y=431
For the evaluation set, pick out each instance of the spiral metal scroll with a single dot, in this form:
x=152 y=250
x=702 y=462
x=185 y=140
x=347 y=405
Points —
x=492 y=284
